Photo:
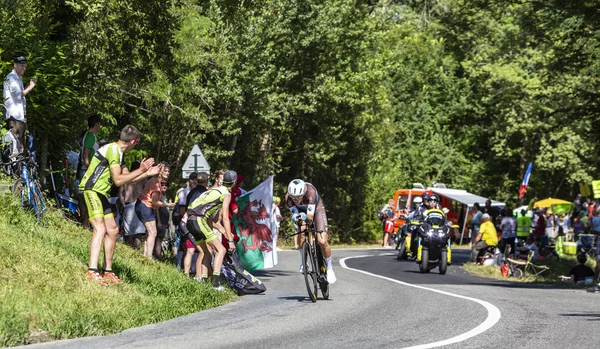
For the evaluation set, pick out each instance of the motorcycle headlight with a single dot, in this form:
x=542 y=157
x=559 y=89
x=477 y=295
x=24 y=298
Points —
x=429 y=233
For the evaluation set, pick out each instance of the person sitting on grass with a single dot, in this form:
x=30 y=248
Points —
x=580 y=271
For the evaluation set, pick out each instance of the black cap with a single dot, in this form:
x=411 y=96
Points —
x=20 y=60
x=193 y=175
x=229 y=177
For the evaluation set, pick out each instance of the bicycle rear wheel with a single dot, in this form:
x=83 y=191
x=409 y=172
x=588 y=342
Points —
x=310 y=272
x=19 y=191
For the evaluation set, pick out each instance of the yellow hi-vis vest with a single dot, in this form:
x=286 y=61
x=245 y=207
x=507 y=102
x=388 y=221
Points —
x=523 y=226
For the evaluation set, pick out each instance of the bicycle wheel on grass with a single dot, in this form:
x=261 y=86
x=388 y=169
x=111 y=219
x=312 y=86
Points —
x=310 y=272
x=19 y=191
x=39 y=208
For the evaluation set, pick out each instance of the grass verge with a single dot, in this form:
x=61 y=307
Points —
x=44 y=294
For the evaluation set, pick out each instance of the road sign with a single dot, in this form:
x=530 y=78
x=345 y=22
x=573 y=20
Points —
x=195 y=162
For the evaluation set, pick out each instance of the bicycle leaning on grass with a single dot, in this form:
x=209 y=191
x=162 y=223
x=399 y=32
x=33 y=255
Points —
x=27 y=188
x=313 y=263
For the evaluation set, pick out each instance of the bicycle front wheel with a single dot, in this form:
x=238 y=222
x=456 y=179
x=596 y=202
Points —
x=39 y=208
x=310 y=272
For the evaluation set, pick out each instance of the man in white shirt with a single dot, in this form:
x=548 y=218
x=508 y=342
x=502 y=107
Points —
x=15 y=102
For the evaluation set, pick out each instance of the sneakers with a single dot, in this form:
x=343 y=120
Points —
x=301 y=270
x=94 y=275
x=200 y=279
x=331 y=276
x=110 y=276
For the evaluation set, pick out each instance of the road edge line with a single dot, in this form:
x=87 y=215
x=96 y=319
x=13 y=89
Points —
x=493 y=317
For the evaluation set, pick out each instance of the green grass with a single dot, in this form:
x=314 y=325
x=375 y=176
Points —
x=552 y=276
x=43 y=288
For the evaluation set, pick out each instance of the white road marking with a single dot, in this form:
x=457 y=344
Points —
x=492 y=318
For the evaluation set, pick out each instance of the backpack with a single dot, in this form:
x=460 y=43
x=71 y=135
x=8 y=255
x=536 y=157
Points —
x=238 y=278
x=381 y=216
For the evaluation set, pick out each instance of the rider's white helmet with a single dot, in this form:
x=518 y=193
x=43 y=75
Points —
x=417 y=200
x=297 y=188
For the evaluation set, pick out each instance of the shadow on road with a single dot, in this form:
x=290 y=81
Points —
x=266 y=273
x=592 y=316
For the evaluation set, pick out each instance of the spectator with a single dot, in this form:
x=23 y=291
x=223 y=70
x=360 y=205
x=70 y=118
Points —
x=563 y=226
x=476 y=222
x=388 y=212
x=186 y=245
x=104 y=170
x=523 y=225
x=218 y=180
x=88 y=144
x=578 y=227
x=162 y=221
x=595 y=229
x=198 y=219
x=532 y=245
x=201 y=187
x=133 y=228
x=550 y=227
x=486 y=237
x=508 y=225
x=540 y=226
x=15 y=102
x=181 y=198
x=276 y=219
x=580 y=271
x=147 y=202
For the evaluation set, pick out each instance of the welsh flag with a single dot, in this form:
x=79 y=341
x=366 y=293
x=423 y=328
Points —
x=256 y=248
x=525 y=182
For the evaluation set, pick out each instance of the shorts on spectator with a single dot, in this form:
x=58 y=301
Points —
x=144 y=213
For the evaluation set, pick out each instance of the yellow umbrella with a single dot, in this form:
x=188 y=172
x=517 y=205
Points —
x=549 y=202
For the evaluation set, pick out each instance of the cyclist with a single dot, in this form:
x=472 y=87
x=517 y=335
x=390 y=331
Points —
x=303 y=198
x=104 y=171
x=198 y=222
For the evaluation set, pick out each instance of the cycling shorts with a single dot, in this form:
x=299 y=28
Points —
x=97 y=205
x=200 y=230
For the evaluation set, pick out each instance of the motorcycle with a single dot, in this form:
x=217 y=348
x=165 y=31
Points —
x=404 y=246
x=433 y=248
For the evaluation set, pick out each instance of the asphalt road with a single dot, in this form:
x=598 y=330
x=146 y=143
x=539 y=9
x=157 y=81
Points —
x=377 y=302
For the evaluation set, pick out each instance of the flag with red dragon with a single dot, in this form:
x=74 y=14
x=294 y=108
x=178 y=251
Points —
x=256 y=248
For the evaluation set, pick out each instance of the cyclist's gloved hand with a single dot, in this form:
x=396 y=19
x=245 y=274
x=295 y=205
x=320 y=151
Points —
x=299 y=216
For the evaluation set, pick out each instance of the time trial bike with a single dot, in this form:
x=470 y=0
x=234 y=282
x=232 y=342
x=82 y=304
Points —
x=313 y=263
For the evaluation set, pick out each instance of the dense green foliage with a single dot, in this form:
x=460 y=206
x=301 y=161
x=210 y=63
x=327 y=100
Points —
x=358 y=97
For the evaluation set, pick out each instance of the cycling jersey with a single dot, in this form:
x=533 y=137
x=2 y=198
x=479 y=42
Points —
x=97 y=177
x=207 y=204
x=312 y=204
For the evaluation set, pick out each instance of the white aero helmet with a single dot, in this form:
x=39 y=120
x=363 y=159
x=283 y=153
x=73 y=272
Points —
x=296 y=188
